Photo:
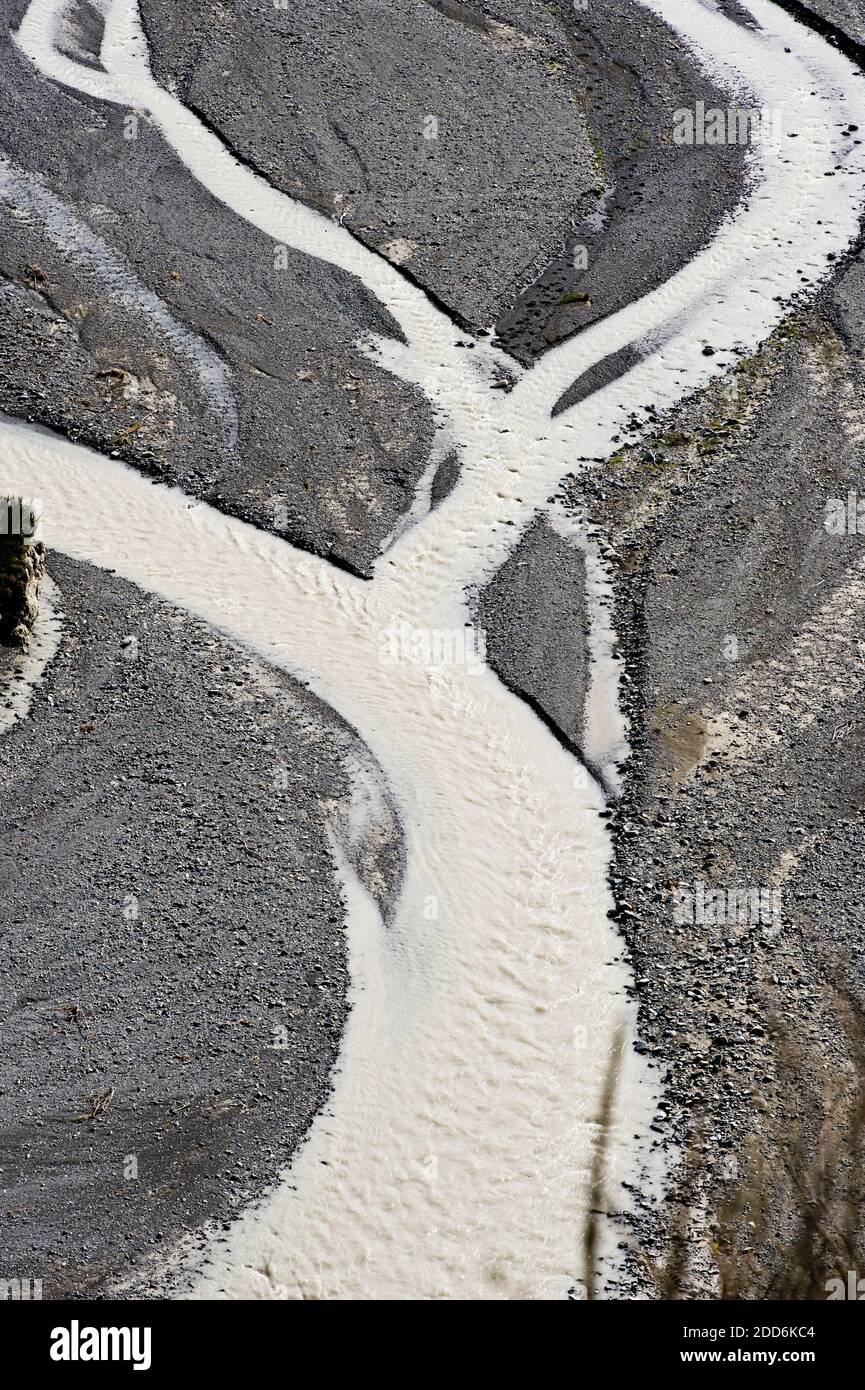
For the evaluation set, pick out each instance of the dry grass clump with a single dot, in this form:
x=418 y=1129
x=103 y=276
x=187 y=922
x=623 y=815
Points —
x=792 y=1221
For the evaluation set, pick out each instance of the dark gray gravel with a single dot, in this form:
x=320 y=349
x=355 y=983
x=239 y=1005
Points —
x=629 y=74
x=475 y=202
x=534 y=616
x=724 y=563
x=173 y=937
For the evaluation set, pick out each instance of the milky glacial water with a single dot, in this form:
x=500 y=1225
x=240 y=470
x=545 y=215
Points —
x=452 y=1159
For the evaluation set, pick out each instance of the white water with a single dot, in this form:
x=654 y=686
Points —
x=453 y=1158
x=605 y=728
